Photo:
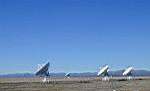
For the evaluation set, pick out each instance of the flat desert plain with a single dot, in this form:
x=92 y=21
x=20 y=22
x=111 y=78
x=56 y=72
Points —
x=75 y=84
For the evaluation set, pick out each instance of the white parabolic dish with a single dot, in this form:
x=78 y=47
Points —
x=103 y=70
x=127 y=71
x=43 y=69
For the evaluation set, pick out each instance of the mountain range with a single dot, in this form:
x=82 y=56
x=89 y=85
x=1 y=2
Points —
x=84 y=74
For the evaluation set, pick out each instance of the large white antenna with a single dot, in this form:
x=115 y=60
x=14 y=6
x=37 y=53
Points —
x=104 y=72
x=127 y=72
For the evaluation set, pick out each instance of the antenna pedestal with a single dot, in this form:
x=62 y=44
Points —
x=129 y=78
x=45 y=80
x=106 y=78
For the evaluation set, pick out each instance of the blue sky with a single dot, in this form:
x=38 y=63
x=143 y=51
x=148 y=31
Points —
x=76 y=35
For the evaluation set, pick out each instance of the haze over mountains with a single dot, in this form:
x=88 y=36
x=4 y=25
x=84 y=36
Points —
x=84 y=74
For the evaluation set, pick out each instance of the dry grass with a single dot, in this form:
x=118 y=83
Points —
x=73 y=84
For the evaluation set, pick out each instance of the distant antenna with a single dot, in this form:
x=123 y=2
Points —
x=104 y=72
x=67 y=75
x=128 y=73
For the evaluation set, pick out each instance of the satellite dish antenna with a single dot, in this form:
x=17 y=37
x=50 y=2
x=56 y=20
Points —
x=67 y=75
x=43 y=69
x=104 y=72
x=128 y=73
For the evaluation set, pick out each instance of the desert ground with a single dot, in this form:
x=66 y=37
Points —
x=75 y=84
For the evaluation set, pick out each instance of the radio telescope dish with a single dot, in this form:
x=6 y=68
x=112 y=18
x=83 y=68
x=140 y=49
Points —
x=127 y=71
x=67 y=75
x=103 y=71
x=43 y=69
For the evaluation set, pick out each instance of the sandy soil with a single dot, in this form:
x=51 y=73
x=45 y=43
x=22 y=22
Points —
x=75 y=84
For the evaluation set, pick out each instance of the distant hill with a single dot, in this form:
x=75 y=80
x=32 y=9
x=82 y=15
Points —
x=16 y=75
x=84 y=74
